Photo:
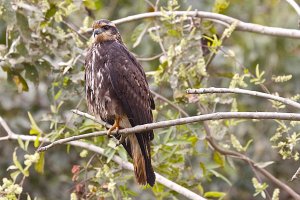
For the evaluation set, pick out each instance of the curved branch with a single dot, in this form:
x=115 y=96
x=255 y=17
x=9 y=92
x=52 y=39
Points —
x=124 y=164
x=243 y=91
x=241 y=26
x=181 y=121
x=295 y=6
x=267 y=174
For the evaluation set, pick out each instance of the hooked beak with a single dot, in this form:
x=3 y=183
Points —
x=97 y=31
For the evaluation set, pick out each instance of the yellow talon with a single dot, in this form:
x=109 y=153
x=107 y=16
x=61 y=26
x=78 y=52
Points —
x=115 y=126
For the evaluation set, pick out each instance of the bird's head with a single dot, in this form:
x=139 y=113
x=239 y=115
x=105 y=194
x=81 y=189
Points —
x=104 y=30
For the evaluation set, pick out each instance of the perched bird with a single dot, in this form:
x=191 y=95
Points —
x=117 y=91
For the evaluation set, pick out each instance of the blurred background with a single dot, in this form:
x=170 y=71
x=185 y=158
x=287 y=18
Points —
x=42 y=49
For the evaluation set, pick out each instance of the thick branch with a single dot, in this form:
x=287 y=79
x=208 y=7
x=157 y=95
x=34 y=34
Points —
x=185 y=120
x=241 y=26
x=243 y=91
x=125 y=165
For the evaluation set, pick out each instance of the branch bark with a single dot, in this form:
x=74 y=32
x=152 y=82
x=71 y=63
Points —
x=124 y=164
x=295 y=6
x=267 y=174
x=181 y=121
x=243 y=91
x=241 y=26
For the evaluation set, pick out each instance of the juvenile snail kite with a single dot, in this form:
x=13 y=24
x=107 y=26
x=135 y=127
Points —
x=117 y=91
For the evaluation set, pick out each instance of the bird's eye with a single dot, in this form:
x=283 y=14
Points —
x=106 y=27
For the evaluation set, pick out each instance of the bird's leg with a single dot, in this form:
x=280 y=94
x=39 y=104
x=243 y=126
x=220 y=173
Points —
x=116 y=126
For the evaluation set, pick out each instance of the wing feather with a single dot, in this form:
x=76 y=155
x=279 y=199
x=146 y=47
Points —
x=130 y=85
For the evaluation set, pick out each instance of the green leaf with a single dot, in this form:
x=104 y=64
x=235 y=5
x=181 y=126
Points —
x=51 y=11
x=218 y=158
x=83 y=153
x=138 y=33
x=21 y=143
x=31 y=73
x=110 y=154
x=18 y=80
x=35 y=130
x=93 y=5
x=220 y=6
x=18 y=164
x=39 y=166
x=214 y=194
x=122 y=153
x=204 y=170
x=58 y=94
x=217 y=174
x=8 y=15
x=174 y=33
x=167 y=135
x=23 y=26
x=14 y=175
x=37 y=141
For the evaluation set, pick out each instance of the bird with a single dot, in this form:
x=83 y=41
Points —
x=118 y=93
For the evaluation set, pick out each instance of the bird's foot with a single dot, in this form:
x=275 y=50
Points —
x=115 y=126
x=109 y=132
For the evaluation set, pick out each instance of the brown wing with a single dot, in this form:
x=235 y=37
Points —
x=130 y=85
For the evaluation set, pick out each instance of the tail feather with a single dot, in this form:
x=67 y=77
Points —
x=142 y=163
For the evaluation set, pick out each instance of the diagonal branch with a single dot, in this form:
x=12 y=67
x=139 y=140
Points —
x=243 y=91
x=99 y=121
x=124 y=164
x=170 y=103
x=181 y=121
x=267 y=174
x=5 y=127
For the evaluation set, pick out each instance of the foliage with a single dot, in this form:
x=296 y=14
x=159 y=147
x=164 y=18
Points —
x=42 y=48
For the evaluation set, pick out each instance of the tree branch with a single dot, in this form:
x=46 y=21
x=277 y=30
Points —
x=181 y=121
x=5 y=127
x=170 y=103
x=124 y=164
x=241 y=26
x=295 y=6
x=99 y=121
x=267 y=174
x=243 y=91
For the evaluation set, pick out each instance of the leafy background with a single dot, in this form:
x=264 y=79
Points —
x=42 y=48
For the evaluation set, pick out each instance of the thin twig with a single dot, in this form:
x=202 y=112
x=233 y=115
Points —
x=243 y=91
x=296 y=175
x=150 y=58
x=99 y=121
x=170 y=103
x=124 y=164
x=181 y=121
x=5 y=127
